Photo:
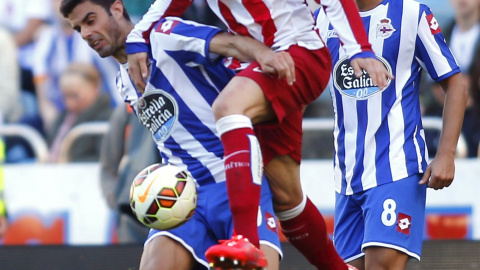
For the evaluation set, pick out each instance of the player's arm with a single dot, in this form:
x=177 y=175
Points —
x=441 y=170
x=247 y=49
x=137 y=40
x=434 y=53
x=354 y=39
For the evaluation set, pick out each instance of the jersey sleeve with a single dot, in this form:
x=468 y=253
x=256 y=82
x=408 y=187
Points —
x=344 y=17
x=189 y=39
x=138 y=39
x=432 y=50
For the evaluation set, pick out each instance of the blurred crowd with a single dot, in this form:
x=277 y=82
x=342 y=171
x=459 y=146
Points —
x=52 y=81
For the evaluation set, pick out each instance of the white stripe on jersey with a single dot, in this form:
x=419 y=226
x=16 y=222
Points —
x=380 y=138
x=183 y=87
x=187 y=142
x=435 y=53
x=396 y=115
x=374 y=117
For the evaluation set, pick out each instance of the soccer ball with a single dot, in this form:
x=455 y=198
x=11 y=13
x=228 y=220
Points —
x=163 y=196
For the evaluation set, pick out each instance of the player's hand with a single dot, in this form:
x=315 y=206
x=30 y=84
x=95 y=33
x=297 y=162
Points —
x=278 y=63
x=138 y=69
x=3 y=225
x=375 y=69
x=439 y=173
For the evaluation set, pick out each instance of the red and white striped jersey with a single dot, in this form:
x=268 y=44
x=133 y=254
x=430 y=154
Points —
x=278 y=24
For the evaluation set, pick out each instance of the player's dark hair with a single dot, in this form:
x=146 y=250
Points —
x=67 y=6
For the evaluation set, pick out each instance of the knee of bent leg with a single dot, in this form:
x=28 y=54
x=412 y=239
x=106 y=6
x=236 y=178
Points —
x=284 y=200
x=219 y=108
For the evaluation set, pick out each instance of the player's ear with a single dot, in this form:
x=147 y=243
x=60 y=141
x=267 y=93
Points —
x=117 y=9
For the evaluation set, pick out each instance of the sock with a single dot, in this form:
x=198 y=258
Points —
x=307 y=232
x=243 y=170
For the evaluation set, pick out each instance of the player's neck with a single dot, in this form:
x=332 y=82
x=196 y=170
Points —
x=121 y=54
x=365 y=5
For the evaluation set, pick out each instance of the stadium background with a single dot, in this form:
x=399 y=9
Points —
x=59 y=219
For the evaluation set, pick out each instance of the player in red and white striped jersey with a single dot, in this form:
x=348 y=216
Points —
x=274 y=106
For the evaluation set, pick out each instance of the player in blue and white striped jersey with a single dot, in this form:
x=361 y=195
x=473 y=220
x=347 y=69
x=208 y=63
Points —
x=381 y=161
x=186 y=75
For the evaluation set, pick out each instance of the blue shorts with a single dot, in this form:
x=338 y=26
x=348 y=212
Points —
x=390 y=215
x=212 y=221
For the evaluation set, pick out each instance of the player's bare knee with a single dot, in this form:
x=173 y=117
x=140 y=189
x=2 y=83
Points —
x=219 y=108
x=283 y=202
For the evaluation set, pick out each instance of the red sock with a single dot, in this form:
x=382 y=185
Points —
x=307 y=232
x=243 y=186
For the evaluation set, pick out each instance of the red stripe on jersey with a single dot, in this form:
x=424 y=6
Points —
x=231 y=21
x=177 y=8
x=354 y=20
x=261 y=15
x=146 y=34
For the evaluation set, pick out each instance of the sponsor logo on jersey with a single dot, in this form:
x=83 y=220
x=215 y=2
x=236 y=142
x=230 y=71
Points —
x=332 y=34
x=158 y=111
x=166 y=27
x=349 y=85
x=404 y=223
x=433 y=23
x=271 y=222
x=385 y=28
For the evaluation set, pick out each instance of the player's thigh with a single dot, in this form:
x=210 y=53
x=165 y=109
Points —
x=272 y=256
x=283 y=174
x=164 y=253
x=379 y=258
x=243 y=95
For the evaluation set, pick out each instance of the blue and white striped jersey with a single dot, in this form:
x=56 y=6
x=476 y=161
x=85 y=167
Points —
x=184 y=81
x=379 y=137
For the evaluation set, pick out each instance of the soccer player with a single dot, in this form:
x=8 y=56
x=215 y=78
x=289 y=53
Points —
x=381 y=162
x=186 y=76
x=275 y=106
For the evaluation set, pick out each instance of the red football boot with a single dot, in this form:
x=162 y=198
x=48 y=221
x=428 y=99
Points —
x=237 y=252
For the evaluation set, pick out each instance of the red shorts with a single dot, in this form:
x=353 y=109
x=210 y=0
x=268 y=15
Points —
x=312 y=72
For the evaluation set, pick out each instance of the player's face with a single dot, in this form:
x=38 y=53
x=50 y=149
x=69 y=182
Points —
x=99 y=29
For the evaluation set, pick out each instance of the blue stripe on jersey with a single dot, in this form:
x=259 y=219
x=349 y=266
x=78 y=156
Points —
x=187 y=117
x=362 y=123
x=218 y=74
x=362 y=119
x=199 y=171
x=422 y=54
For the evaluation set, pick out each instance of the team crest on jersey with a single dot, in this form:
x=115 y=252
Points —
x=349 y=85
x=385 y=28
x=158 y=111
